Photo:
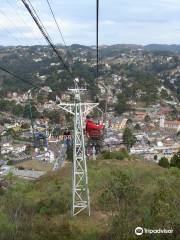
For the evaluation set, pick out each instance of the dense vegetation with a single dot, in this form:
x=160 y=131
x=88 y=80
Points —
x=18 y=109
x=21 y=61
x=173 y=162
x=140 y=81
x=124 y=194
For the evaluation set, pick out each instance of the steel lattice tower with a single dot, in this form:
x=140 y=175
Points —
x=80 y=190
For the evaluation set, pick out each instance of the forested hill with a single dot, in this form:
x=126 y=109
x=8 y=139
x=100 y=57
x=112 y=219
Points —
x=141 y=73
x=173 y=48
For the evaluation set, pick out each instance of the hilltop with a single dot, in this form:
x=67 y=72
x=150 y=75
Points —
x=124 y=194
x=137 y=73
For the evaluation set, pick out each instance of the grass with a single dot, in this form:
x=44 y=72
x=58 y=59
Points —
x=50 y=196
x=99 y=173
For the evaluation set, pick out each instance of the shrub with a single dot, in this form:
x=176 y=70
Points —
x=155 y=157
x=21 y=168
x=10 y=162
x=120 y=155
x=175 y=160
x=163 y=162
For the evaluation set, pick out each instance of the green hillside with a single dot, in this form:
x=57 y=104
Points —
x=124 y=194
x=141 y=73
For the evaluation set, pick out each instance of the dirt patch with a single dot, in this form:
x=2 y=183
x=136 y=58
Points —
x=35 y=165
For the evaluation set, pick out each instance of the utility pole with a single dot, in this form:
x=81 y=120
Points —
x=30 y=111
x=80 y=190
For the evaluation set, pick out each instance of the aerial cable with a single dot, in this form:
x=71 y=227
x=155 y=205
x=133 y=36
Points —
x=18 y=77
x=10 y=34
x=97 y=39
x=21 y=18
x=46 y=36
x=97 y=53
x=38 y=18
x=12 y=23
x=60 y=32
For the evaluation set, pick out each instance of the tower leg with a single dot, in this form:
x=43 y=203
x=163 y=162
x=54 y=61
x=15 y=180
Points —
x=80 y=189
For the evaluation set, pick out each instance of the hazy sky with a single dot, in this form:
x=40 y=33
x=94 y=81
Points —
x=121 y=21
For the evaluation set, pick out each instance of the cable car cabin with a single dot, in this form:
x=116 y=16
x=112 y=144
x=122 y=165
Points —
x=67 y=138
x=93 y=130
x=40 y=135
x=95 y=138
x=94 y=133
x=40 y=140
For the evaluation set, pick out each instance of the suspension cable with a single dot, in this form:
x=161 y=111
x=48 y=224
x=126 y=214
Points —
x=21 y=18
x=10 y=34
x=97 y=39
x=18 y=77
x=46 y=35
x=58 y=27
x=12 y=24
x=36 y=14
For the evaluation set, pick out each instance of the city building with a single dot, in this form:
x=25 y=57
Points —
x=174 y=125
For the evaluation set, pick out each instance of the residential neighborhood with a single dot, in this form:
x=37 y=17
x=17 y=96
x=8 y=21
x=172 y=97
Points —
x=153 y=118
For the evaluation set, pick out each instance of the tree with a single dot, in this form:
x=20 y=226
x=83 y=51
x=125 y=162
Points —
x=6 y=105
x=164 y=94
x=163 y=162
x=174 y=113
x=11 y=132
x=128 y=138
x=17 y=110
x=163 y=205
x=102 y=105
x=25 y=125
x=121 y=105
x=147 y=119
x=137 y=127
x=41 y=98
x=56 y=131
x=6 y=226
x=129 y=122
x=54 y=116
x=155 y=157
x=121 y=198
x=26 y=113
x=52 y=96
x=175 y=160
x=28 y=149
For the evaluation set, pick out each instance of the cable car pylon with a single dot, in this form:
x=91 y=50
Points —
x=80 y=190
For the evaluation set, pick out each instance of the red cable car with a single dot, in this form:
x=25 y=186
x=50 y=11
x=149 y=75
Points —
x=94 y=133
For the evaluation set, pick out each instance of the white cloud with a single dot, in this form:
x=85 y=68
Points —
x=121 y=21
